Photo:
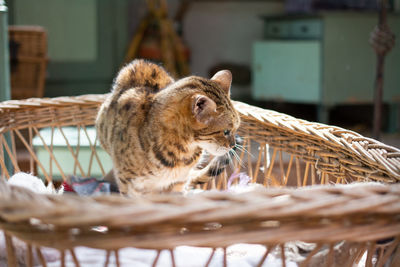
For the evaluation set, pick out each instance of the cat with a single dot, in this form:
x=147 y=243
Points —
x=157 y=130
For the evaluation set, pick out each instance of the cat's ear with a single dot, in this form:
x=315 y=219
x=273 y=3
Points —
x=224 y=79
x=203 y=107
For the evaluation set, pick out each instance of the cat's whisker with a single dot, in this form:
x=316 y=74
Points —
x=237 y=157
x=240 y=161
x=230 y=160
x=218 y=167
x=240 y=147
x=235 y=154
x=243 y=149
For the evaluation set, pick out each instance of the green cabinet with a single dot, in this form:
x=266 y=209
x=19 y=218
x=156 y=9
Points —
x=303 y=28
x=274 y=62
x=324 y=59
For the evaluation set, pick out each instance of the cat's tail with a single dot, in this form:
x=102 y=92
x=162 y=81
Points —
x=142 y=73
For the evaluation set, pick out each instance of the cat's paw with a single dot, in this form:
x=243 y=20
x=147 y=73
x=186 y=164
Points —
x=188 y=187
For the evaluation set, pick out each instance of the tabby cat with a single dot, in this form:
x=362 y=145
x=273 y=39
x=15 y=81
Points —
x=156 y=130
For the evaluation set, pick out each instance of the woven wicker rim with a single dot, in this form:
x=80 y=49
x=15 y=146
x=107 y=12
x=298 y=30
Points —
x=267 y=216
x=320 y=213
x=331 y=149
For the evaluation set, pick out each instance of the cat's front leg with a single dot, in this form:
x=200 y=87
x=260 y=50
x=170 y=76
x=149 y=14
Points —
x=214 y=168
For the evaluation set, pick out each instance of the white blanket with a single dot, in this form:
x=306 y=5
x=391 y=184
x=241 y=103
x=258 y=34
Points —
x=239 y=255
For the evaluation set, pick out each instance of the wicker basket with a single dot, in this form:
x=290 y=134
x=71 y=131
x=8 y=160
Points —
x=28 y=61
x=299 y=153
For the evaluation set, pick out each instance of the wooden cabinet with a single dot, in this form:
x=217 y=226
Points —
x=324 y=59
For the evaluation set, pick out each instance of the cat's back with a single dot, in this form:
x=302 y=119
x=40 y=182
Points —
x=130 y=100
x=141 y=74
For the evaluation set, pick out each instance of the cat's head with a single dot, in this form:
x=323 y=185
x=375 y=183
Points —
x=215 y=119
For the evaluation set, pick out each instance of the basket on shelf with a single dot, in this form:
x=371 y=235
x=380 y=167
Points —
x=28 y=55
x=351 y=224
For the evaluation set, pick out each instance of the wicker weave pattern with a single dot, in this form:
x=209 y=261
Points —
x=277 y=215
x=45 y=112
x=315 y=154
x=333 y=150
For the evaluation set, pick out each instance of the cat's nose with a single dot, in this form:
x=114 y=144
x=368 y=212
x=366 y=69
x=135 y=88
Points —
x=235 y=141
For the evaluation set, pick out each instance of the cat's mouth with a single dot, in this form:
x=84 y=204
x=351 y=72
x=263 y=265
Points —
x=222 y=151
x=214 y=149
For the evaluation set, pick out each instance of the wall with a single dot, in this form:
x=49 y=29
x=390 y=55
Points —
x=86 y=41
x=224 y=32
x=215 y=31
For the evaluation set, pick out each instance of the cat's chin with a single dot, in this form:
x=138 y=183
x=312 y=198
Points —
x=220 y=151
x=214 y=149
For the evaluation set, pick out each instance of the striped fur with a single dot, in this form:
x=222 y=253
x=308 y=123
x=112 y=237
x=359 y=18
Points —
x=156 y=129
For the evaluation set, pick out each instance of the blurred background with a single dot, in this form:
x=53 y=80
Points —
x=312 y=59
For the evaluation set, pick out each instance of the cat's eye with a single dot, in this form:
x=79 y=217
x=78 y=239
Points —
x=227 y=132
